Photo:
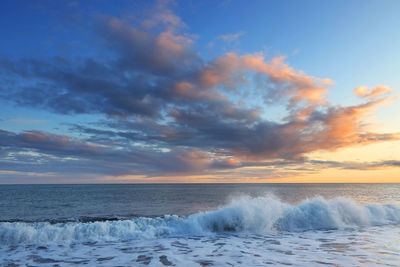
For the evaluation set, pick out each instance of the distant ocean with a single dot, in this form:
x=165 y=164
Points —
x=200 y=225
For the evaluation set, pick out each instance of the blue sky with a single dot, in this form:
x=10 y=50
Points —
x=51 y=50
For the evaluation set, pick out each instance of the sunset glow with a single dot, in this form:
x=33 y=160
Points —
x=179 y=92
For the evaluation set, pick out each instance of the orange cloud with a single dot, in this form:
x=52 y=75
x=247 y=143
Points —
x=296 y=85
x=366 y=92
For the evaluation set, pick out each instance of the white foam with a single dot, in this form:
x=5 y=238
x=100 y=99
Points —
x=245 y=215
x=356 y=247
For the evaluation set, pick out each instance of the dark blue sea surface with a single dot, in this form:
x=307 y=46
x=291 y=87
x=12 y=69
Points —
x=43 y=202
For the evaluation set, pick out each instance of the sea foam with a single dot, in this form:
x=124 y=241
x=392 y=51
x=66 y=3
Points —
x=251 y=215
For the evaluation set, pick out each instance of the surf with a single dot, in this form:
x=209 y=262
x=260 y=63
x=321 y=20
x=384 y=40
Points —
x=259 y=215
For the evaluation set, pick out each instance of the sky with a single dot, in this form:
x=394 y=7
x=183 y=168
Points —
x=199 y=91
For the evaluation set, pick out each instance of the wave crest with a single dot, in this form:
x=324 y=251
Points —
x=254 y=215
x=270 y=214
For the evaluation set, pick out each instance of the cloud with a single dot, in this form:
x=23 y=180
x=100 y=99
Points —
x=49 y=153
x=358 y=165
x=277 y=79
x=231 y=37
x=163 y=15
x=167 y=110
x=364 y=91
x=26 y=121
x=48 y=143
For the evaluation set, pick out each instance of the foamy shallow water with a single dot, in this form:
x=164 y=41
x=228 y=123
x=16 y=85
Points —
x=370 y=246
x=248 y=232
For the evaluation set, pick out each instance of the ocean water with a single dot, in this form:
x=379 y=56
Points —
x=200 y=225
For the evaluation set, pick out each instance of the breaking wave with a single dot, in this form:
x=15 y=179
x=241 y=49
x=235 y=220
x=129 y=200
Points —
x=251 y=215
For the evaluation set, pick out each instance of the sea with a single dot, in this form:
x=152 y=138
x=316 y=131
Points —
x=200 y=225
